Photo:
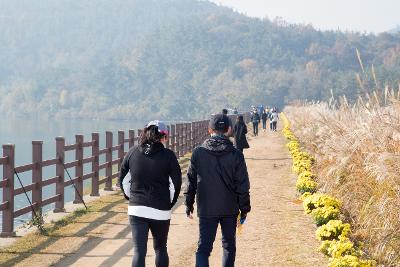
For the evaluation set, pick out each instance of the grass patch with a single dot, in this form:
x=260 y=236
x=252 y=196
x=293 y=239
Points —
x=70 y=225
x=79 y=223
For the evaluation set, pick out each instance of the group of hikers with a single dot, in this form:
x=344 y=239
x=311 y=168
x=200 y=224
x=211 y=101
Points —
x=264 y=115
x=217 y=178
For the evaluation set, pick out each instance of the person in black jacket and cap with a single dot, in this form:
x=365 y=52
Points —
x=151 y=179
x=255 y=119
x=239 y=132
x=229 y=133
x=218 y=178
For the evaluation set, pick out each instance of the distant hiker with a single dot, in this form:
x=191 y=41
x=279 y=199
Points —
x=153 y=189
x=218 y=178
x=239 y=132
x=235 y=111
x=270 y=119
x=260 y=109
x=230 y=130
x=255 y=119
x=264 y=117
x=274 y=119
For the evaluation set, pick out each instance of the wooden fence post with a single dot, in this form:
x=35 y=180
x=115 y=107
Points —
x=121 y=137
x=192 y=135
x=201 y=131
x=187 y=137
x=139 y=134
x=172 y=139
x=205 y=130
x=60 y=154
x=109 y=142
x=168 y=137
x=198 y=135
x=183 y=140
x=178 y=139
x=78 y=169
x=131 y=138
x=95 y=164
x=37 y=174
x=198 y=129
x=8 y=191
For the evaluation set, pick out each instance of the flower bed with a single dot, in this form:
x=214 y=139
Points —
x=324 y=209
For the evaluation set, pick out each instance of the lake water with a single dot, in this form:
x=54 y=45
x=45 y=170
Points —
x=22 y=132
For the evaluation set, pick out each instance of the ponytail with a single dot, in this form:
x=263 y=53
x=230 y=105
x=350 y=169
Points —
x=150 y=135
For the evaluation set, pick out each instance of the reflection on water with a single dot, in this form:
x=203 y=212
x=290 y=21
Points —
x=22 y=132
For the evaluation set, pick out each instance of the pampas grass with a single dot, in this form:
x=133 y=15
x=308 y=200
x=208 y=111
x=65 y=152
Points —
x=358 y=161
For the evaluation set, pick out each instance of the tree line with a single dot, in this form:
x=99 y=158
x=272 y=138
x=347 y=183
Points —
x=175 y=59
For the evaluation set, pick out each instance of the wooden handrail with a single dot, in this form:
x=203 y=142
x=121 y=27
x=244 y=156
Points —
x=25 y=168
x=183 y=138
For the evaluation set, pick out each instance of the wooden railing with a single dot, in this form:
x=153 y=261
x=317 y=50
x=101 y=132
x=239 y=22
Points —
x=182 y=139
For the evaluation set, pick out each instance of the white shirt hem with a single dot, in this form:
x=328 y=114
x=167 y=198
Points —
x=149 y=213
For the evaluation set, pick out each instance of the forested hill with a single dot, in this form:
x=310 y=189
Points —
x=175 y=59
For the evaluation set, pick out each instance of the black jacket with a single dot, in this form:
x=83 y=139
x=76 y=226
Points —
x=218 y=177
x=151 y=167
x=255 y=118
x=264 y=116
x=239 y=132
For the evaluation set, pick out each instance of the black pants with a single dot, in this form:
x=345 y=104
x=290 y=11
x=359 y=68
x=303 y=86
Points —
x=255 y=128
x=208 y=230
x=264 y=124
x=274 y=123
x=270 y=125
x=140 y=231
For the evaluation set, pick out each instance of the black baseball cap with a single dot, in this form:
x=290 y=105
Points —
x=219 y=122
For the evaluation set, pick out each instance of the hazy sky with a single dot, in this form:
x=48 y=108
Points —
x=359 y=15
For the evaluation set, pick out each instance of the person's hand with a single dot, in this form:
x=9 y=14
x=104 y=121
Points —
x=243 y=217
x=189 y=212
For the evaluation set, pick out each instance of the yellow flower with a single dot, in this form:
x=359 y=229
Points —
x=350 y=261
x=306 y=185
x=324 y=214
x=334 y=229
x=301 y=155
x=293 y=145
x=300 y=166
x=337 y=248
x=320 y=200
x=307 y=175
x=305 y=195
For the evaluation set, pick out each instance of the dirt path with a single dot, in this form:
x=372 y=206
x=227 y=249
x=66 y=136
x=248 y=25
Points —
x=277 y=232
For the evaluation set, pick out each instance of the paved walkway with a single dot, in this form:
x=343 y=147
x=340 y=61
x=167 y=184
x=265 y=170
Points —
x=277 y=232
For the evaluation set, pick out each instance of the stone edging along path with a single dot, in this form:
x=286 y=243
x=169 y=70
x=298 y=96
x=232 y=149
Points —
x=277 y=232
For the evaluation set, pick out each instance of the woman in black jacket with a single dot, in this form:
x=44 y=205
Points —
x=255 y=119
x=264 y=117
x=151 y=179
x=240 y=131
